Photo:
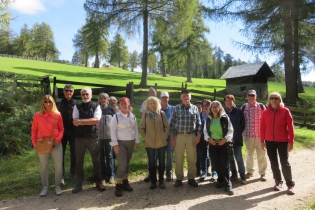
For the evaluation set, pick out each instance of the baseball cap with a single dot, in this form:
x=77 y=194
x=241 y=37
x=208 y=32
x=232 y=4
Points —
x=164 y=93
x=251 y=92
x=198 y=102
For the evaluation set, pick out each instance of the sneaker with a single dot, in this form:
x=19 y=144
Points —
x=278 y=186
x=263 y=178
x=62 y=181
x=77 y=189
x=178 y=183
x=162 y=185
x=168 y=177
x=234 y=177
x=290 y=191
x=203 y=176
x=126 y=186
x=192 y=182
x=248 y=175
x=43 y=192
x=153 y=186
x=99 y=186
x=214 y=176
x=58 y=190
x=118 y=190
x=147 y=178
x=243 y=180
x=229 y=190
x=111 y=180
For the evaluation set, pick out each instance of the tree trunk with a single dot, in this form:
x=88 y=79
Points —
x=97 y=61
x=163 y=69
x=290 y=74
x=144 y=76
x=189 y=68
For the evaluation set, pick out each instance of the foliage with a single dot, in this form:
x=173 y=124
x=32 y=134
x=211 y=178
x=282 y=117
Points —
x=133 y=61
x=81 y=54
x=17 y=107
x=5 y=16
x=118 y=52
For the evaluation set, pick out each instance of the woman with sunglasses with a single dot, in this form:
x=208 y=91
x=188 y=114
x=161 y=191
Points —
x=47 y=122
x=277 y=135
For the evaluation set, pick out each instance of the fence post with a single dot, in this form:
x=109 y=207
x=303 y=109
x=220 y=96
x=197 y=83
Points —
x=186 y=86
x=214 y=93
x=182 y=85
x=305 y=115
x=46 y=84
x=155 y=87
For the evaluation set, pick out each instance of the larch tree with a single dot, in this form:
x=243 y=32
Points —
x=118 y=52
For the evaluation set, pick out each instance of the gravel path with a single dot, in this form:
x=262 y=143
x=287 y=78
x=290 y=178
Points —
x=254 y=195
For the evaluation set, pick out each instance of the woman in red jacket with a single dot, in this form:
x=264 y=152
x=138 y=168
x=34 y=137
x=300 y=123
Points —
x=43 y=123
x=277 y=135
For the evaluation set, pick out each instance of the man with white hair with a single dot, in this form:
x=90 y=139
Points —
x=86 y=116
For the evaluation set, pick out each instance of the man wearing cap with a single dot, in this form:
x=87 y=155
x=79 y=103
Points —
x=167 y=109
x=252 y=112
x=186 y=122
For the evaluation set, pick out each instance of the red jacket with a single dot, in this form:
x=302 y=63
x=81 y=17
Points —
x=277 y=125
x=43 y=124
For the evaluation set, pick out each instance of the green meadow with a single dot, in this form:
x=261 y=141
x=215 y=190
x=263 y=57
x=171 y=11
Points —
x=25 y=167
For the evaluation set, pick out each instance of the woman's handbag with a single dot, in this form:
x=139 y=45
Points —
x=45 y=145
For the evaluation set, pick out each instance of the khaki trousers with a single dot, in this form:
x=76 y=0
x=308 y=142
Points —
x=251 y=145
x=185 y=143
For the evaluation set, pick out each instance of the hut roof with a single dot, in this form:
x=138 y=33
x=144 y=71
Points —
x=250 y=69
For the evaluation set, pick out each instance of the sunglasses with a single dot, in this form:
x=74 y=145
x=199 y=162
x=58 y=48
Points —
x=47 y=102
x=274 y=98
x=249 y=95
x=85 y=94
x=68 y=91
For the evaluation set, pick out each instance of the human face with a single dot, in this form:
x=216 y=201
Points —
x=86 y=96
x=164 y=100
x=152 y=92
x=112 y=102
x=199 y=106
x=229 y=103
x=152 y=105
x=215 y=110
x=124 y=106
x=68 y=93
x=103 y=100
x=185 y=98
x=48 y=104
x=274 y=101
x=206 y=107
x=251 y=98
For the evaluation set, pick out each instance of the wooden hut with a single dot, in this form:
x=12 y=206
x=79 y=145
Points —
x=252 y=76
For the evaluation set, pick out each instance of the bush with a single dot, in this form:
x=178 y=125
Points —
x=18 y=103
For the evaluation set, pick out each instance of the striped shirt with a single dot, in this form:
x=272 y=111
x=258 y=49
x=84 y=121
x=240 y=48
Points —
x=186 y=119
x=252 y=115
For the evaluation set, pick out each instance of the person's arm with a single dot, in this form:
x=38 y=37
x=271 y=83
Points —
x=172 y=126
x=290 y=125
x=229 y=135
x=59 y=124
x=242 y=118
x=143 y=127
x=113 y=131
x=89 y=121
x=135 y=127
x=166 y=126
x=262 y=131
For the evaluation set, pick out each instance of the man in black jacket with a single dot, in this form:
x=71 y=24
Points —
x=65 y=107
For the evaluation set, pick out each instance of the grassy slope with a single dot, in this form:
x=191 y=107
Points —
x=28 y=165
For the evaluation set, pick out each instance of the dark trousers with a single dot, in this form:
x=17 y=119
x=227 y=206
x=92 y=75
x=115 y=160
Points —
x=92 y=145
x=202 y=159
x=220 y=157
x=160 y=152
x=106 y=153
x=273 y=149
x=68 y=136
x=236 y=151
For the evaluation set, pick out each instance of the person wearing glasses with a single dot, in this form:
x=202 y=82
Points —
x=238 y=121
x=65 y=107
x=252 y=111
x=86 y=116
x=218 y=131
x=47 y=122
x=277 y=135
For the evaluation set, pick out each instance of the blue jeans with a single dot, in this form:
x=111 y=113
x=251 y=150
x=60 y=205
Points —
x=169 y=150
x=151 y=152
x=237 y=153
x=202 y=159
x=106 y=152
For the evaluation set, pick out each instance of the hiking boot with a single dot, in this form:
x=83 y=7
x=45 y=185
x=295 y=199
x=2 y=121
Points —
x=203 y=176
x=168 y=177
x=192 y=182
x=243 y=180
x=43 y=192
x=118 y=191
x=162 y=185
x=229 y=190
x=290 y=191
x=178 y=183
x=111 y=180
x=248 y=175
x=234 y=177
x=126 y=186
x=58 y=190
x=278 y=186
x=100 y=186
x=263 y=178
x=147 y=178
x=153 y=186
x=77 y=189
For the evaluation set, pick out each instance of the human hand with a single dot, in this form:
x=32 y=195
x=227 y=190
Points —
x=137 y=145
x=290 y=147
x=212 y=142
x=222 y=142
x=197 y=140
x=116 y=149
x=173 y=142
x=55 y=142
x=263 y=146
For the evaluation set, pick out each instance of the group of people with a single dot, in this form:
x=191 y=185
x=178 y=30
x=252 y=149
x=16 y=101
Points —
x=206 y=132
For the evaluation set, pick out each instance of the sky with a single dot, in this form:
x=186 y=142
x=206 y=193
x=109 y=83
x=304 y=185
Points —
x=65 y=17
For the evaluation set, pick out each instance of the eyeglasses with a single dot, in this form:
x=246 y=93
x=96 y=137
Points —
x=249 y=95
x=206 y=105
x=215 y=107
x=47 y=102
x=274 y=98
x=85 y=94
x=68 y=91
